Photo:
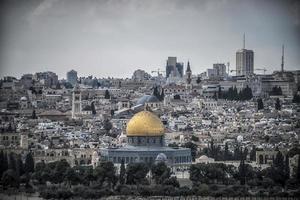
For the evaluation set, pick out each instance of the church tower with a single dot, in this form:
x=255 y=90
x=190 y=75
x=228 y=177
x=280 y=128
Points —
x=188 y=74
x=76 y=102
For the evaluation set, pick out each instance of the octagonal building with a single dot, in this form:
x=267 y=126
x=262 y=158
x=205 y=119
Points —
x=145 y=143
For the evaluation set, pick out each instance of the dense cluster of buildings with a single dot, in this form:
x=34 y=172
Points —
x=86 y=120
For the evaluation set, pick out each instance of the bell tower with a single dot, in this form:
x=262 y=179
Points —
x=76 y=102
x=188 y=74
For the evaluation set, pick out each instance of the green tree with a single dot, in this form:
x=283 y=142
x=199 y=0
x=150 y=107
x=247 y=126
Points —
x=242 y=172
x=253 y=153
x=93 y=108
x=220 y=94
x=276 y=91
x=162 y=95
x=58 y=170
x=71 y=177
x=298 y=170
x=136 y=173
x=107 y=125
x=105 y=173
x=260 y=104
x=286 y=167
x=296 y=98
x=10 y=178
x=29 y=163
x=19 y=165
x=198 y=81
x=277 y=171
x=122 y=176
x=193 y=148
x=33 y=115
x=107 y=94
x=160 y=172
x=156 y=92
x=277 y=104
x=227 y=154
x=4 y=163
x=12 y=161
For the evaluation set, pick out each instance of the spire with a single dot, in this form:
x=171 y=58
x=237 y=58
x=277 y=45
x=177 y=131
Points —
x=282 y=59
x=188 y=69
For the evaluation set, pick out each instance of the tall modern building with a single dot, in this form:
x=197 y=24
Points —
x=244 y=61
x=220 y=69
x=179 y=67
x=174 y=68
x=72 y=77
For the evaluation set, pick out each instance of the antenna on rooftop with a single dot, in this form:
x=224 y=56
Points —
x=282 y=59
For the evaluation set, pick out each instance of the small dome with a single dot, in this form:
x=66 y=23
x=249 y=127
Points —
x=23 y=99
x=203 y=157
x=145 y=123
x=147 y=99
x=161 y=157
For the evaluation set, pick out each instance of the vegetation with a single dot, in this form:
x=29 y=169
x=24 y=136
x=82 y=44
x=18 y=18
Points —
x=260 y=104
x=159 y=95
x=276 y=91
x=93 y=108
x=278 y=104
x=107 y=94
x=58 y=180
x=296 y=98
x=233 y=94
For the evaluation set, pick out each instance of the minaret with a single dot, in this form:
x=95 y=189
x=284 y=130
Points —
x=76 y=102
x=188 y=73
x=282 y=59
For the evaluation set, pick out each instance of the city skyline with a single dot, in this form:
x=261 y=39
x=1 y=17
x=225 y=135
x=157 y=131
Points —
x=114 y=38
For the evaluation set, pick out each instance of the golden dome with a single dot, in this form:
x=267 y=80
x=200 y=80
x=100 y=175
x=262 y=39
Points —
x=145 y=123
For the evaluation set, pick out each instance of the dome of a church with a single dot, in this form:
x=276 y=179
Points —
x=145 y=123
x=147 y=99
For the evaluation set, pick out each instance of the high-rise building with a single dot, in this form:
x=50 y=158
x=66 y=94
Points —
x=220 y=69
x=244 y=61
x=72 y=77
x=179 y=67
x=171 y=65
x=49 y=79
x=174 y=68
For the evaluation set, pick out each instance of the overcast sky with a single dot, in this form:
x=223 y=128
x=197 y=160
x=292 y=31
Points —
x=113 y=38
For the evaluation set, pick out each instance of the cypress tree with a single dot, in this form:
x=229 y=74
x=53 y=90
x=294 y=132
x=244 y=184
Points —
x=242 y=172
x=287 y=167
x=19 y=165
x=220 y=94
x=226 y=152
x=3 y=161
x=260 y=104
x=11 y=161
x=253 y=153
x=277 y=104
x=298 y=170
x=29 y=163
x=122 y=173
x=162 y=95
x=93 y=108
x=107 y=95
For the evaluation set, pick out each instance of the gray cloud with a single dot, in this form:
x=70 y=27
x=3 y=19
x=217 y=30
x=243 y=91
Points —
x=113 y=38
